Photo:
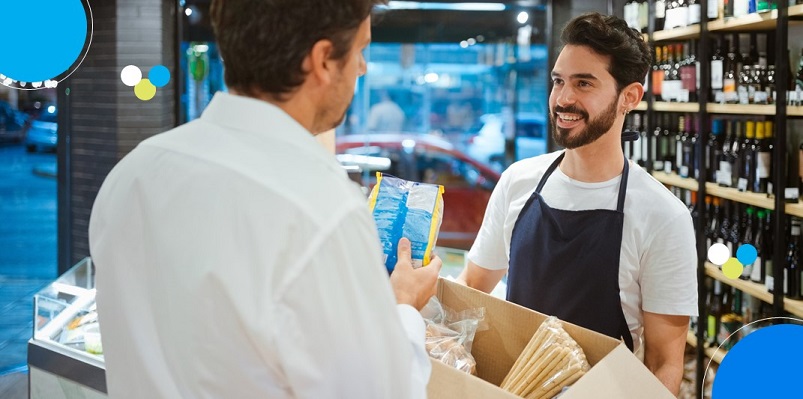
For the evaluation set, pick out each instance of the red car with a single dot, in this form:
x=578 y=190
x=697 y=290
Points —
x=431 y=159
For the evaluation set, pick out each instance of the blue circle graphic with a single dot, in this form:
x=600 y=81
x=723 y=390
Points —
x=48 y=49
x=770 y=355
x=746 y=254
x=159 y=75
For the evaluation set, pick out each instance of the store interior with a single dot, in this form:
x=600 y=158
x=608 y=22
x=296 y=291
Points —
x=455 y=93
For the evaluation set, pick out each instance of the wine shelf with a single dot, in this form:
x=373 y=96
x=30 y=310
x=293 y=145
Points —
x=711 y=353
x=748 y=287
x=676 y=107
x=794 y=307
x=751 y=109
x=673 y=179
x=759 y=200
x=686 y=32
x=642 y=106
x=749 y=22
x=796 y=11
x=714 y=108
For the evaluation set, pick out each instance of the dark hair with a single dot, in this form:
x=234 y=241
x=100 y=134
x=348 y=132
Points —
x=609 y=35
x=264 y=42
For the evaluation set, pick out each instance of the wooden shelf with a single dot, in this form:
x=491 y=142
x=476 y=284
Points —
x=794 y=307
x=794 y=111
x=748 y=287
x=755 y=199
x=749 y=22
x=642 y=106
x=676 y=107
x=686 y=32
x=673 y=179
x=691 y=339
x=759 y=200
x=752 y=109
x=796 y=11
x=711 y=353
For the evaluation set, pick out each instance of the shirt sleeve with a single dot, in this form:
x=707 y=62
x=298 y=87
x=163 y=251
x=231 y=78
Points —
x=488 y=250
x=339 y=331
x=669 y=271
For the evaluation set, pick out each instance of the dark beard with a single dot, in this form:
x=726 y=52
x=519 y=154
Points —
x=594 y=129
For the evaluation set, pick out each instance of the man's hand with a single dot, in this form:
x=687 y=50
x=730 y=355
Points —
x=414 y=287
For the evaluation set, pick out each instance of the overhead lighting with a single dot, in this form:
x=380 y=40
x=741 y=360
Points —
x=418 y=5
x=523 y=17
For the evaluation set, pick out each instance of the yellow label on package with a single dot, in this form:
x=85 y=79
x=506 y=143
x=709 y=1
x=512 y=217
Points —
x=408 y=209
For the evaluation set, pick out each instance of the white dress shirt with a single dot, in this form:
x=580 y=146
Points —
x=236 y=260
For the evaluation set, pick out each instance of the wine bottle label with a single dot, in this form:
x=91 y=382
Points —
x=755 y=274
x=684 y=171
x=741 y=184
x=716 y=74
x=660 y=9
x=760 y=97
x=743 y=95
x=724 y=174
x=769 y=281
x=713 y=7
x=667 y=167
x=747 y=271
x=694 y=14
x=658 y=165
x=763 y=165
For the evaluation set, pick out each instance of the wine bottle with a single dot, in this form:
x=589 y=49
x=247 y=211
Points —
x=792 y=269
x=759 y=267
x=748 y=238
x=717 y=75
x=660 y=14
x=763 y=159
x=714 y=150
x=747 y=163
x=657 y=75
x=725 y=172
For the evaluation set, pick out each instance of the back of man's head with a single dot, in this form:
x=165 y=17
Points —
x=264 y=42
x=610 y=36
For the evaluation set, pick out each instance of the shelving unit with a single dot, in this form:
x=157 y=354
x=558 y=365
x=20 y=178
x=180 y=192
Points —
x=712 y=353
x=755 y=199
x=777 y=21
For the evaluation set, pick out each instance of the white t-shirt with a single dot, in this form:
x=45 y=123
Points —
x=658 y=257
x=236 y=260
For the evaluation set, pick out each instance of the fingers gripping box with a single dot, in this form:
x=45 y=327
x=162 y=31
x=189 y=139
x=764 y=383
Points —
x=408 y=209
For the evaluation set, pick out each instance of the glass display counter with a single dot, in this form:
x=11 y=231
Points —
x=65 y=354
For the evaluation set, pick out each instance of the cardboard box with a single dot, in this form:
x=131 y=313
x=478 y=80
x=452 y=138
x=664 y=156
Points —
x=615 y=372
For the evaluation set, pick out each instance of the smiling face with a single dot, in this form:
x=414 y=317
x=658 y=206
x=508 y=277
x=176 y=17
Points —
x=584 y=100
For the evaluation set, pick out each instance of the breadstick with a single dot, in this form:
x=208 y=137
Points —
x=547 y=372
x=569 y=377
x=527 y=379
x=526 y=354
x=532 y=352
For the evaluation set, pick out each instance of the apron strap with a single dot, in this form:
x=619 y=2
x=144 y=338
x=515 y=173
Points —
x=548 y=172
x=620 y=206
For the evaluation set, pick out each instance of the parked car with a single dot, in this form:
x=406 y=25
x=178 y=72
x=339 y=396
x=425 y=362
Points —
x=488 y=146
x=12 y=123
x=42 y=135
x=468 y=184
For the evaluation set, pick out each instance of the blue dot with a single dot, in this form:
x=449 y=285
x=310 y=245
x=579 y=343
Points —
x=770 y=355
x=746 y=254
x=48 y=36
x=159 y=75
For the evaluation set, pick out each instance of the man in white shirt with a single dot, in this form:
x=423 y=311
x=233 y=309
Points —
x=234 y=257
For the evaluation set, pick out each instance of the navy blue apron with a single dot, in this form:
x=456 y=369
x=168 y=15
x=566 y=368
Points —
x=566 y=263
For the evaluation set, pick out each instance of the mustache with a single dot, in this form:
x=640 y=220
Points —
x=572 y=109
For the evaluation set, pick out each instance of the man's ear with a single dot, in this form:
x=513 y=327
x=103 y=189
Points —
x=631 y=96
x=318 y=64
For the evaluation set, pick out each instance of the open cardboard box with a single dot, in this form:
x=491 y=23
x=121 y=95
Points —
x=615 y=372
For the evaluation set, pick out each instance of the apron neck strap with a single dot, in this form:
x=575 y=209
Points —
x=620 y=205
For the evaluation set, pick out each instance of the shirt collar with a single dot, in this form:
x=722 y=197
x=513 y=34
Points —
x=248 y=114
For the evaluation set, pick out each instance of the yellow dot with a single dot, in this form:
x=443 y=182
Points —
x=145 y=90
x=732 y=268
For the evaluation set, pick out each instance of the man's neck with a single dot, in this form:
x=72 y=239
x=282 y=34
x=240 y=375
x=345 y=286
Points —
x=597 y=162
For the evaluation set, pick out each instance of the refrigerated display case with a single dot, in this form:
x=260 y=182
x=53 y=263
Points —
x=65 y=354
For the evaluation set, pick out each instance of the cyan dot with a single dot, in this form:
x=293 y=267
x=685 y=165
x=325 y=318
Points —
x=746 y=254
x=49 y=49
x=159 y=75
x=769 y=356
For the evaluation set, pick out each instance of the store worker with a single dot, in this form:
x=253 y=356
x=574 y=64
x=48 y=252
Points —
x=235 y=259
x=584 y=234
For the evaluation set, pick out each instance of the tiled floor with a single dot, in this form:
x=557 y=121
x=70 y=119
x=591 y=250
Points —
x=27 y=246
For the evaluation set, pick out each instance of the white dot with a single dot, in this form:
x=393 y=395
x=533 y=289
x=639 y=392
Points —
x=131 y=75
x=718 y=254
x=36 y=85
